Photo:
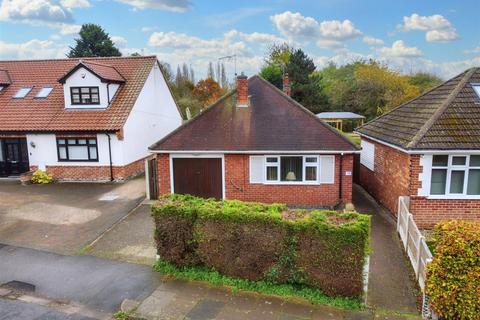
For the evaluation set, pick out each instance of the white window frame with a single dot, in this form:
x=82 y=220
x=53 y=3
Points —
x=451 y=167
x=305 y=164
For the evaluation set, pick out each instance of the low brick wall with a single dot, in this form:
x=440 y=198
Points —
x=96 y=173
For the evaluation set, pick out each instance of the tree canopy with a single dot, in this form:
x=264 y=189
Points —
x=93 y=42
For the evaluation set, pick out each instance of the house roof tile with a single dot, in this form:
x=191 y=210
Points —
x=446 y=117
x=272 y=122
x=44 y=115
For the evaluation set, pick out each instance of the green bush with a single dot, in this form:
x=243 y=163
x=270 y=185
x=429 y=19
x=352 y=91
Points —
x=260 y=242
x=453 y=277
x=41 y=177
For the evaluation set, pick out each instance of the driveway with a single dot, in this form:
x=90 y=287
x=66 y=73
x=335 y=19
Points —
x=98 y=284
x=63 y=218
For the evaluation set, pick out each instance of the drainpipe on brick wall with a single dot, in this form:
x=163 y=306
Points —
x=110 y=156
x=340 y=181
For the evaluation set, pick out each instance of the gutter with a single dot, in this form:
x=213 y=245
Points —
x=194 y=152
x=110 y=156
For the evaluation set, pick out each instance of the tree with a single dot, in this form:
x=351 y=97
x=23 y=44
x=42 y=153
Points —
x=93 y=42
x=210 y=72
x=208 y=91
x=425 y=81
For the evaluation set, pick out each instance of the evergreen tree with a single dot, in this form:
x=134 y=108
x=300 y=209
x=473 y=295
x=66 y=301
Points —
x=210 y=72
x=93 y=42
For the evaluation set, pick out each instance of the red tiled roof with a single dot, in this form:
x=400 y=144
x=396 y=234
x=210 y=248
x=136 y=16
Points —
x=272 y=122
x=4 y=77
x=49 y=114
x=105 y=72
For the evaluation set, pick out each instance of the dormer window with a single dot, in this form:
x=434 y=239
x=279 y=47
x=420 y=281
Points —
x=22 y=93
x=44 y=92
x=84 y=95
x=476 y=88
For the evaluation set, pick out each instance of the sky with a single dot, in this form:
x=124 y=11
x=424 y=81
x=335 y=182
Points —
x=440 y=37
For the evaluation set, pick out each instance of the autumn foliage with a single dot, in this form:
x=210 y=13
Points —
x=453 y=277
x=208 y=91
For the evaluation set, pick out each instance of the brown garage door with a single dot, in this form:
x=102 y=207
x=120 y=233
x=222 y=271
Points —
x=201 y=177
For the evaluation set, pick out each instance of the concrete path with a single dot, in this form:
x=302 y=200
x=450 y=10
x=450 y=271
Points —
x=390 y=285
x=18 y=310
x=98 y=284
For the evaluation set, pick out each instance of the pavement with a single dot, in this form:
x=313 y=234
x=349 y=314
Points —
x=390 y=284
x=63 y=217
x=95 y=283
x=19 y=310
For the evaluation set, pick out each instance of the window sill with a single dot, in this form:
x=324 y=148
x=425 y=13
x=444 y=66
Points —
x=453 y=197
x=284 y=183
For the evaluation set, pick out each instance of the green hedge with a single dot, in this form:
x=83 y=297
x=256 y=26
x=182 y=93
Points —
x=453 y=277
x=267 y=243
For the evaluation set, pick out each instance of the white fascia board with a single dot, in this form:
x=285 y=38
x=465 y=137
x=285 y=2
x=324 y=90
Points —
x=255 y=152
x=421 y=151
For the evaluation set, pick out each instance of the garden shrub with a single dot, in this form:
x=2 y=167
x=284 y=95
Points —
x=41 y=177
x=453 y=277
x=268 y=243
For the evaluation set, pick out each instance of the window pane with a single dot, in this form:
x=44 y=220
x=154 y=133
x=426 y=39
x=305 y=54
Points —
x=74 y=90
x=61 y=141
x=82 y=141
x=1 y=151
x=92 y=141
x=474 y=161
x=62 y=153
x=473 y=182
x=272 y=173
x=85 y=90
x=311 y=173
x=440 y=161
x=72 y=141
x=439 y=180
x=94 y=90
x=459 y=161
x=311 y=159
x=456 y=181
x=78 y=153
x=291 y=168
x=271 y=159
x=93 y=153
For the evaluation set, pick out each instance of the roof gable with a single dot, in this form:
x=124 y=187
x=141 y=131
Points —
x=271 y=122
x=49 y=114
x=446 y=117
x=106 y=73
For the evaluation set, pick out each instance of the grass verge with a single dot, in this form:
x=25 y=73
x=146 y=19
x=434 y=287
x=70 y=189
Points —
x=281 y=290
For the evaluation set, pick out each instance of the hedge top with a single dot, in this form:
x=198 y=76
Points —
x=238 y=211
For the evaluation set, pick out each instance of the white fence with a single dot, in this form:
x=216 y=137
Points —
x=413 y=241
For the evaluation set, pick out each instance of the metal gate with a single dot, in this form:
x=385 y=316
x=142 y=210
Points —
x=151 y=175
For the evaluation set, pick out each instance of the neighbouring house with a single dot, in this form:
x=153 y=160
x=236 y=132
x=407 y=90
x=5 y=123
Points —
x=429 y=150
x=82 y=119
x=257 y=144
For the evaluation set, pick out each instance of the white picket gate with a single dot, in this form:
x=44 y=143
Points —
x=416 y=247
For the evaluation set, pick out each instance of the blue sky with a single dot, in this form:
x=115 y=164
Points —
x=435 y=36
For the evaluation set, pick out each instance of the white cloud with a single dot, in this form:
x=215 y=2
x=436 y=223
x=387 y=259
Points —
x=33 y=49
x=472 y=51
x=258 y=37
x=436 y=27
x=327 y=34
x=72 y=4
x=34 y=10
x=147 y=29
x=120 y=42
x=167 y=5
x=399 y=49
x=372 y=41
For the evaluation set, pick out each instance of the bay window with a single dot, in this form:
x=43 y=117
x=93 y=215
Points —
x=455 y=175
x=77 y=149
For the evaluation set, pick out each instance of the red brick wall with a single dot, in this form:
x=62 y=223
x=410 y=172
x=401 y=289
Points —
x=428 y=212
x=390 y=178
x=96 y=173
x=237 y=184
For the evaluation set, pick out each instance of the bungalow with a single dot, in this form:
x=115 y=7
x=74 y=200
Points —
x=82 y=119
x=257 y=144
x=428 y=149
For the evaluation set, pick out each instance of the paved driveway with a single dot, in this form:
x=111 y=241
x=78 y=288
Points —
x=65 y=217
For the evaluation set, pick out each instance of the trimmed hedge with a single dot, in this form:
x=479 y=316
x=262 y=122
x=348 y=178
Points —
x=260 y=242
x=453 y=277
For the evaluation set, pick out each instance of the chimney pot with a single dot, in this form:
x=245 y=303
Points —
x=287 y=89
x=242 y=90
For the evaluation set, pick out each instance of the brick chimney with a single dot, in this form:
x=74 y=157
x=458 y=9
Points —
x=286 y=85
x=242 y=90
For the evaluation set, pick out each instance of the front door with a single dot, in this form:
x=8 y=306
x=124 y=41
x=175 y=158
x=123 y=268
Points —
x=201 y=177
x=13 y=156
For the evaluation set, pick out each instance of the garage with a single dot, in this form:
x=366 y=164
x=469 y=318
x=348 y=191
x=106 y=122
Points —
x=201 y=177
